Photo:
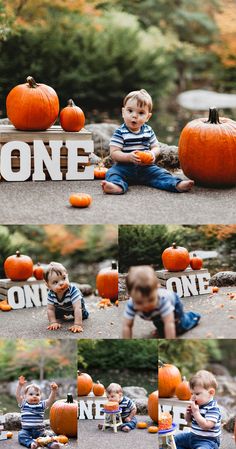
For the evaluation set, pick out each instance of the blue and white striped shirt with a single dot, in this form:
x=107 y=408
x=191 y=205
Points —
x=71 y=296
x=127 y=141
x=126 y=405
x=32 y=415
x=210 y=412
x=165 y=306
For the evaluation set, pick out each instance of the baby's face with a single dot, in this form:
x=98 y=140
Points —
x=134 y=115
x=145 y=303
x=33 y=396
x=202 y=395
x=58 y=283
x=113 y=396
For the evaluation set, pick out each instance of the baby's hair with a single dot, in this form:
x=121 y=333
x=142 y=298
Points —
x=54 y=267
x=114 y=388
x=204 y=379
x=33 y=386
x=142 y=96
x=141 y=279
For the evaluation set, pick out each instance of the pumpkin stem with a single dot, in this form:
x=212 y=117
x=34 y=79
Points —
x=70 y=103
x=32 y=83
x=69 y=399
x=160 y=363
x=17 y=253
x=114 y=265
x=213 y=116
x=174 y=245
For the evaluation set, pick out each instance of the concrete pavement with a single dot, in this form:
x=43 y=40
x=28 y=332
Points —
x=47 y=202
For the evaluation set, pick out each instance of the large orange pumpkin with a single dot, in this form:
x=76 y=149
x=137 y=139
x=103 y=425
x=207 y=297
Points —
x=146 y=157
x=107 y=282
x=18 y=267
x=196 y=262
x=84 y=384
x=32 y=106
x=169 y=378
x=207 y=150
x=72 y=117
x=175 y=258
x=153 y=406
x=63 y=417
x=182 y=390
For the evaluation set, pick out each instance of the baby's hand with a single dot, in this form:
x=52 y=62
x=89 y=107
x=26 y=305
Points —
x=194 y=407
x=127 y=419
x=76 y=328
x=54 y=326
x=133 y=157
x=54 y=386
x=22 y=380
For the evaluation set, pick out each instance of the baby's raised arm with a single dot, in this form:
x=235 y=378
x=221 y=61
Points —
x=20 y=389
x=53 y=394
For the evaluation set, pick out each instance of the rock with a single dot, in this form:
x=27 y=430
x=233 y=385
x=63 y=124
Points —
x=86 y=289
x=223 y=279
x=229 y=425
x=12 y=421
x=200 y=99
x=218 y=370
x=135 y=392
x=123 y=294
x=141 y=405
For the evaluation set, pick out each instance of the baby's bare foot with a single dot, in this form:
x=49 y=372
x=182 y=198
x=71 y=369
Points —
x=55 y=445
x=126 y=429
x=34 y=445
x=109 y=187
x=185 y=186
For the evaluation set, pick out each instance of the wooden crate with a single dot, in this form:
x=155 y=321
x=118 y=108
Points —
x=186 y=283
x=22 y=294
x=82 y=139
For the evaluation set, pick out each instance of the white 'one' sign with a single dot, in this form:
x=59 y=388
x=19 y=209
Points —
x=43 y=159
x=90 y=409
x=27 y=296
x=191 y=285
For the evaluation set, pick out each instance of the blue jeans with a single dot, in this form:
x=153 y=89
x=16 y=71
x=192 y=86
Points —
x=131 y=424
x=184 y=321
x=187 y=440
x=27 y=436
x=124 y=175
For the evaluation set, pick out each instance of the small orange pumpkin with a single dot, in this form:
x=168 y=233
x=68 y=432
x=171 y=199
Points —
x=38 y=272
x=18 y=267
x=61 y=439
x=175 y=258
x=196 y=262
x=84 y=384
x=107 y=282
x=100 y=172
x=72 y=117
x=146 y=157
x=182 y=390
x=215 y=289
x=153 y=429
x=98 y=389
x=80 y=199
x=5 y=307
x=141 y=425
x=9 y=434
x=32 y=106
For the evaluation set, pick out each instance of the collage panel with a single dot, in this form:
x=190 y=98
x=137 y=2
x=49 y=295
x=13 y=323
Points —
x=38 y=399
x=177 y=281
x=117 y=393
x=59 y=281
x=196 y=385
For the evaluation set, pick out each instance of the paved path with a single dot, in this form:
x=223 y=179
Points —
x=32 y=323
x=90 y=437
x=218 y=315
x=47 y=202
x=218 y=320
